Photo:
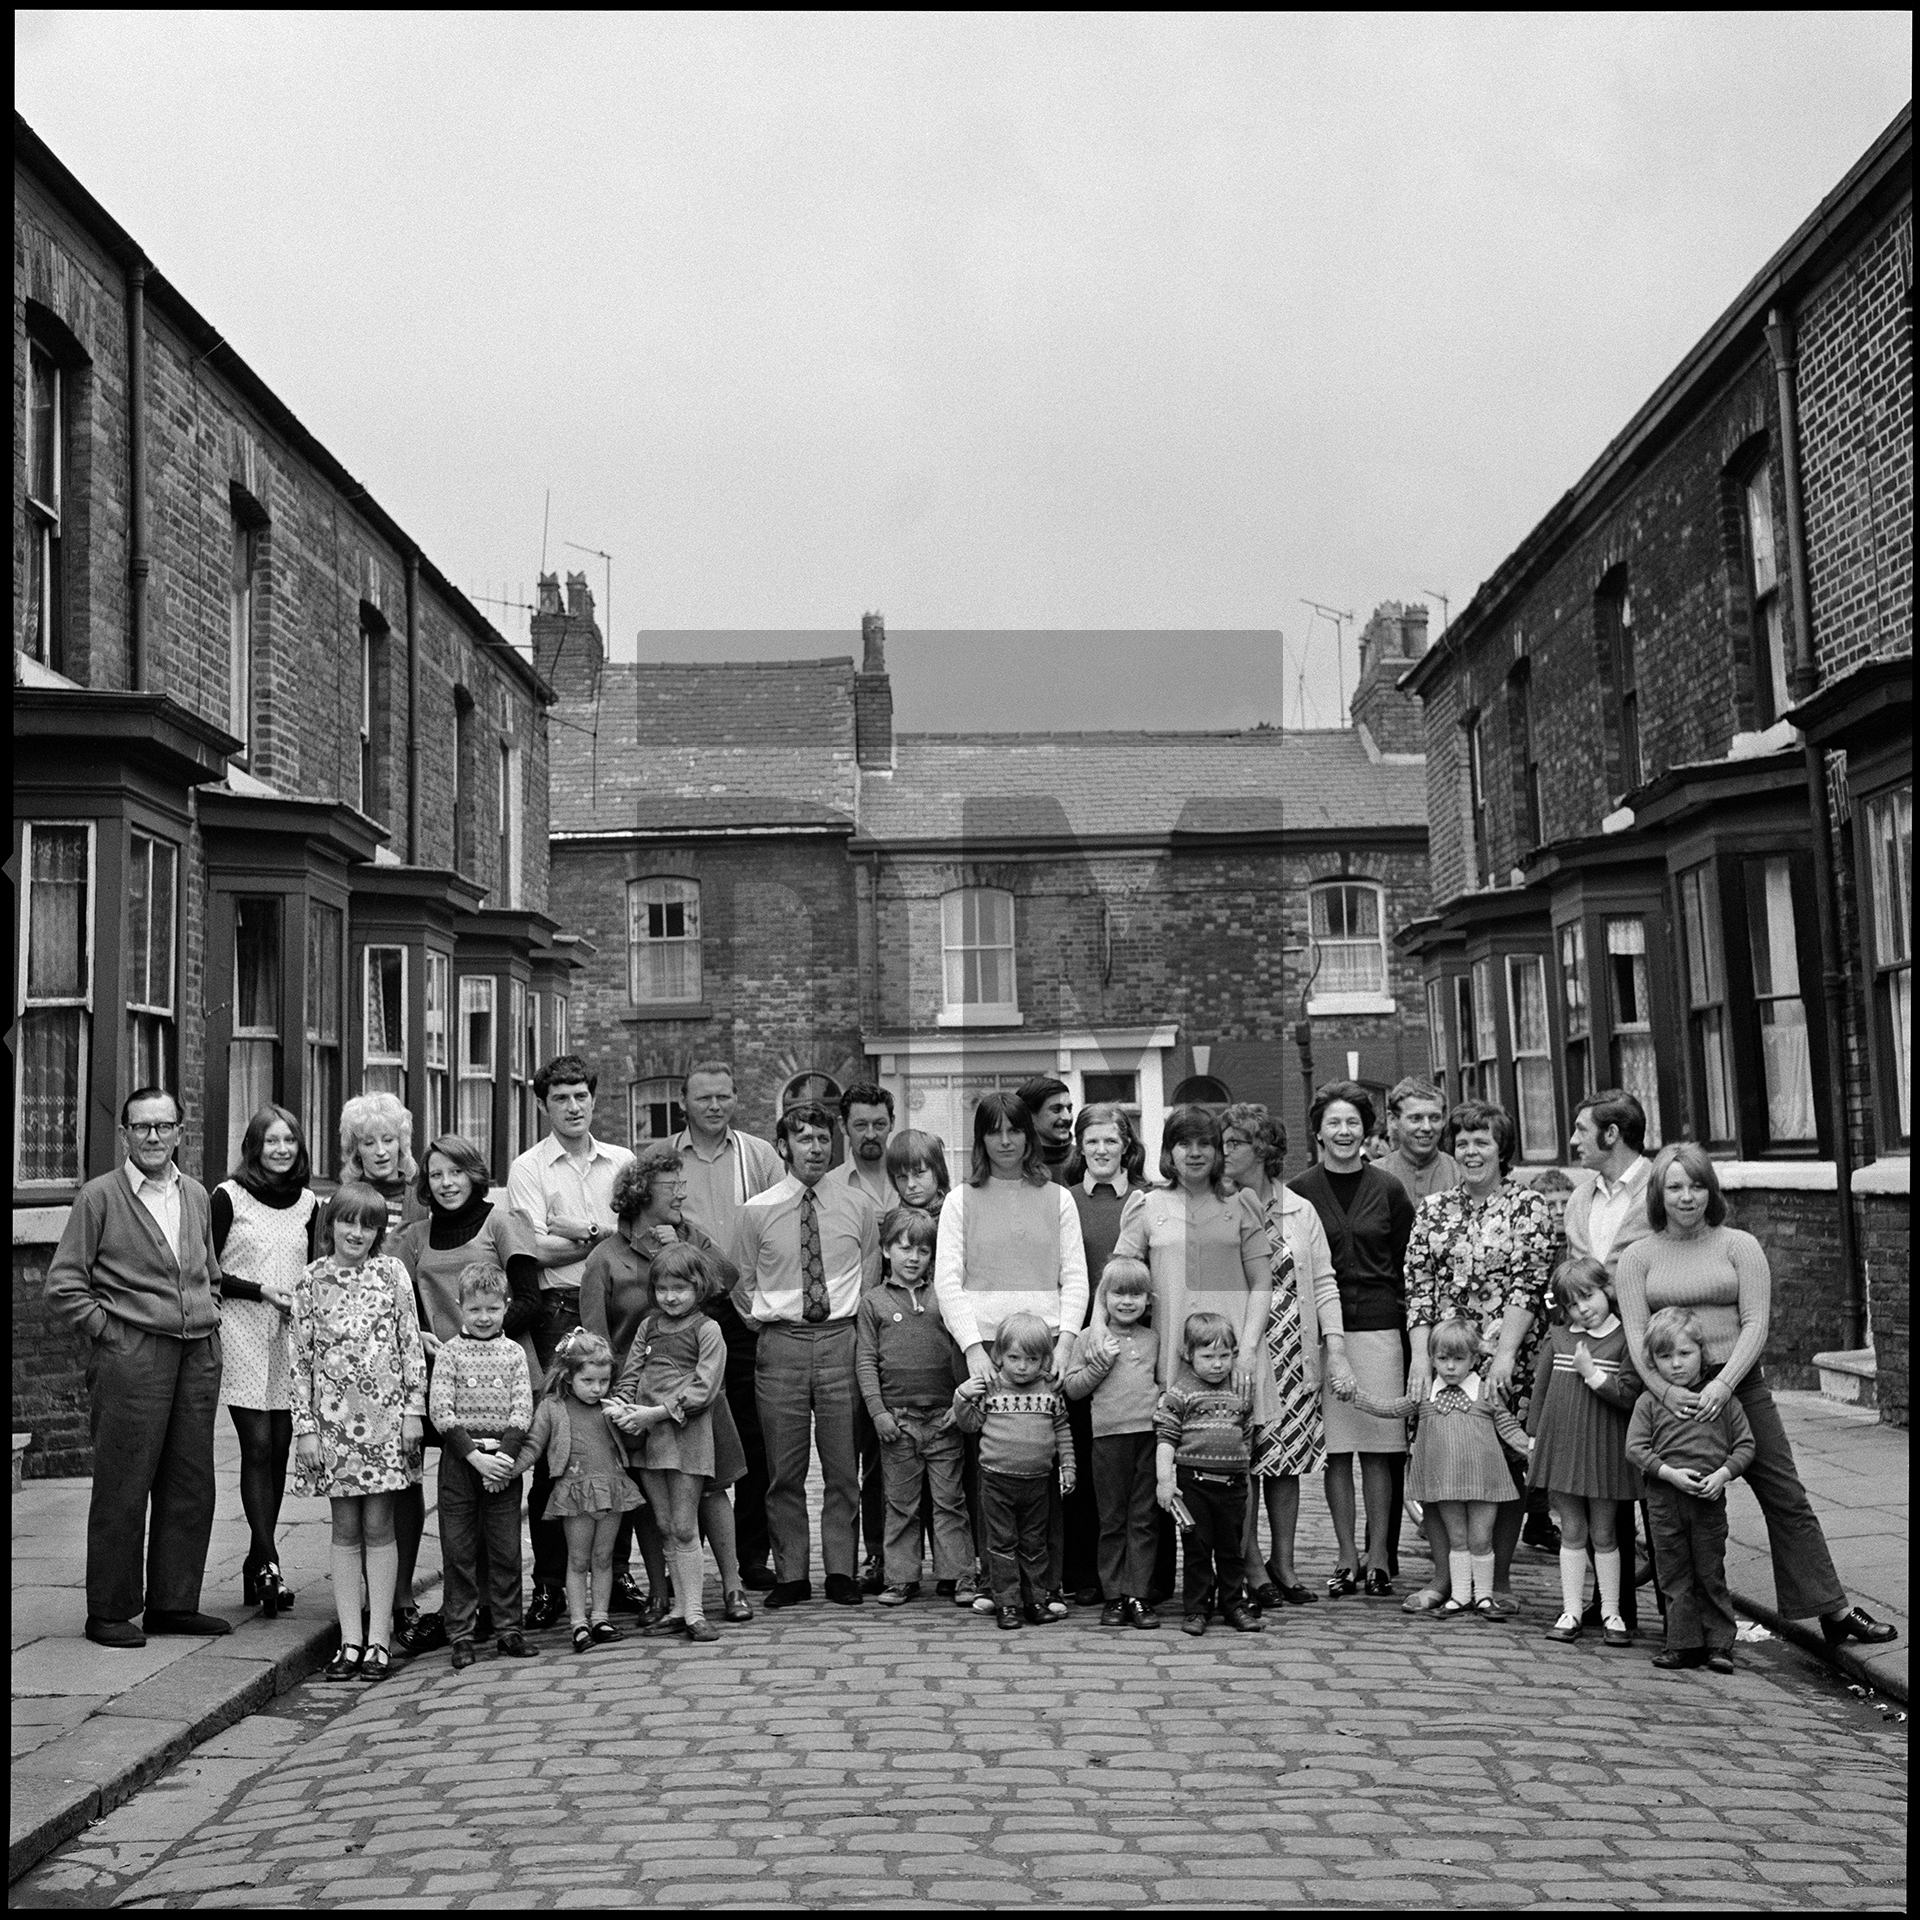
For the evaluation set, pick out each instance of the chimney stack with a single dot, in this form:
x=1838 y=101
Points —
x=873 y=699
x=1391 y=641
x=567 y=648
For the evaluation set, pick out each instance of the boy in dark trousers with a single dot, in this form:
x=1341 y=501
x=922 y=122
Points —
x=906 y=1365
x=1688 y=1462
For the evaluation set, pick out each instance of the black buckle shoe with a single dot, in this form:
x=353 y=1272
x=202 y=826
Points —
x=547 y=1608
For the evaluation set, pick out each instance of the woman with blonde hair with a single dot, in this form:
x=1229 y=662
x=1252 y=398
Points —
x=376 y=1147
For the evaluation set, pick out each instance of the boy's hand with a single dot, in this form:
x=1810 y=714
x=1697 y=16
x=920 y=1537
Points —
x=493 y=1468
x=974 y=1389
x=1686 y=1480
x=431 y=1341
x=1164 y=1490
x=1066 y=1479
x=887 y=1427
x=1714 y=1484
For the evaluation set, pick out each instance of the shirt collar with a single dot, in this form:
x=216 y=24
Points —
x=166 y=1180
x=557 y=1149
x=1470 y=1386
x=1119 y=1183
x=1635 y=1176
x=683 y=1143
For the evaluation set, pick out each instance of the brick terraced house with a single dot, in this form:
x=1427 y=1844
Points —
x=768 y=873
x=1669 y=765
x=280 y=790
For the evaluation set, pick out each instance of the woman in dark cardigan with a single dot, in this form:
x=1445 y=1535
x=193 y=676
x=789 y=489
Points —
x=1368 y=1218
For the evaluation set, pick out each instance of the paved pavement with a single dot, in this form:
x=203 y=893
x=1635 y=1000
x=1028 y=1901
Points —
x=90 y=1726
x=1855 y=1470
x=1351 y=1755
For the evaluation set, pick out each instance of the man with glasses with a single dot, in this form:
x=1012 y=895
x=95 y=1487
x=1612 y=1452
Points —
x=135 y=1276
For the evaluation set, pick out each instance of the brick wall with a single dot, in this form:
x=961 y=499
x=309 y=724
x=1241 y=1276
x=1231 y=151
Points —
x=1886 y=1245
x=779 y=967
x=49 y=1375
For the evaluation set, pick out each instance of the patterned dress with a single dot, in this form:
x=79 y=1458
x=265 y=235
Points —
x=267 y=1245
x=358 y=1369
x=1295 y=1439
x=1473 y=1259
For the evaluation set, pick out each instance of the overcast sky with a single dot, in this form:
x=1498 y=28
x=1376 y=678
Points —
x=983 y=322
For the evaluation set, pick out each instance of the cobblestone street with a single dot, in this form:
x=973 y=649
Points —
x=1350 y=1755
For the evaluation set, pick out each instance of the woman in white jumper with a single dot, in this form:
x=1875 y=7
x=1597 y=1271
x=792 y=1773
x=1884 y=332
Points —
x=1009 y=1243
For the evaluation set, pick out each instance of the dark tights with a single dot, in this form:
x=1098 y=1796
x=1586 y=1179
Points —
x=265 y=1441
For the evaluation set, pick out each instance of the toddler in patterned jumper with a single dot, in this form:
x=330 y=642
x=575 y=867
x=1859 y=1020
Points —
x=480 y=1400
x=1022 y=1424
x=1204 y=1452
x=1457 y=1466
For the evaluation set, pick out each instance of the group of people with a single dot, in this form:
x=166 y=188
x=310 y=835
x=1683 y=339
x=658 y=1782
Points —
x=1048 y=1376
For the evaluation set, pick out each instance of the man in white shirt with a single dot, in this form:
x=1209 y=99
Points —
x=1606 y=1215
x=866 y=1117
x=724 y=1169
x=562 y=1187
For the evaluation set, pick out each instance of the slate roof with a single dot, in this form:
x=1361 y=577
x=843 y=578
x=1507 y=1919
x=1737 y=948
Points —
x=706 y=744
x=1134 y=786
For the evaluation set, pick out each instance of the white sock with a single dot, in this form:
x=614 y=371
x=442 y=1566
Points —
x=346 y=1592
x=383 y=1571
x=1460 y=1573
x=1573 y=1580
x=689 y=1576
x=1482 y=1576
x=1606 y=1575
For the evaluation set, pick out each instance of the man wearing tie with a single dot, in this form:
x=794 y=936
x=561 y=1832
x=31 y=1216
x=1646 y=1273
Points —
x=135 y=1276
x=807 y=1251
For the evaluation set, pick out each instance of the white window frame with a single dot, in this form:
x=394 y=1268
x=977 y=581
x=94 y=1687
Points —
x=666 y=891
x=1532 y=1064
x=390 y=1061
x=519 y=1072
x=438 y=1019
x=1890 y=948
x=145 y=1014
x=82 y=1003
x=639 y=1104
x=478 y=994
x=1763 y=583
x=321 y=1115
x=956 y=1010
x=1347 y=999
x=44 y=511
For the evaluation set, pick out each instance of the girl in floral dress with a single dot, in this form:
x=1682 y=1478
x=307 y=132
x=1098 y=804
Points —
x=359 y=1392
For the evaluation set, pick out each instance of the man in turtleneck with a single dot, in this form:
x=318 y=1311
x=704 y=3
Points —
x=1051 y=1104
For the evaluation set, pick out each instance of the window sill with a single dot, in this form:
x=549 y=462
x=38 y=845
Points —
x=1326 y=1004
x=980 y=1017
x=671 y=1010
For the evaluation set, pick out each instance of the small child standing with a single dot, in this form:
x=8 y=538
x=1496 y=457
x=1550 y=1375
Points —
x=672 y=1378
x=1204 y=1453
x=590 y=1485
x=1585 y=1388
x=358 y=1385
x=1457 y=1466
x=1116 y=1365
x=905 y=1363
x=1688 y=1460
x=1022 y=1424
x=481 y=1402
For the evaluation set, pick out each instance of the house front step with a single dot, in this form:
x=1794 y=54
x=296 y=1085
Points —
x=1848 y=1377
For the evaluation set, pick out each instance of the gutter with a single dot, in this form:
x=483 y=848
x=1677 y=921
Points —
x=140 y=564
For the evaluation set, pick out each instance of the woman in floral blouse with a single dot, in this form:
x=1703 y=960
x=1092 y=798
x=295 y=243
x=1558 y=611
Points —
x=1482 y=1250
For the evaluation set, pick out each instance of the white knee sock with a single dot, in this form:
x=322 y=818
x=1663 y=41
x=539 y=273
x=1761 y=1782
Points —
x=346 y=1591
x=1606 y=1575
x=383 y=1570
x=1573 y=1580
x=689 y=1576
x=1460 y=1573
x=1482 y=1575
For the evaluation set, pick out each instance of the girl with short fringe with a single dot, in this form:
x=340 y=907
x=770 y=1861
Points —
x=358 y=1387
x=1457 y=1466
x=1116 y=1365
x=1584 y=1391
x=587 y=1462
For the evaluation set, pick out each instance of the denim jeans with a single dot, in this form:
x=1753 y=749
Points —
x=926 y=1455
x=479 y=1542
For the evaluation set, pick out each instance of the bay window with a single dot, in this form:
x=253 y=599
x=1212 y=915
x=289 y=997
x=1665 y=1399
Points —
x=54 y=1007
x=477 y=1054
x=1786 y=1055
x=152 y=892
x=439 y=997
x=1888 y=826
x=1575 y=1011
x=1709 y=1064
x=326 y=965
x=1630 y=991
x=253 y=1054
x=1528 y=1035
x=383 y=1010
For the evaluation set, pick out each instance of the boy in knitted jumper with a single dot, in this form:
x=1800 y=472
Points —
x=1022 y=1424
x=481 y=1401
x=1204 y=1453
x=1688 y=1462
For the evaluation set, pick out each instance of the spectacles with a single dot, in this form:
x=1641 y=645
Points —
x=153 y=1129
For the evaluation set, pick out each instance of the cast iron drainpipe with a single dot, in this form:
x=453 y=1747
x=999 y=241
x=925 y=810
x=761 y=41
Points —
x=138 y=562
x=413 y=709
x=1805 y=678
